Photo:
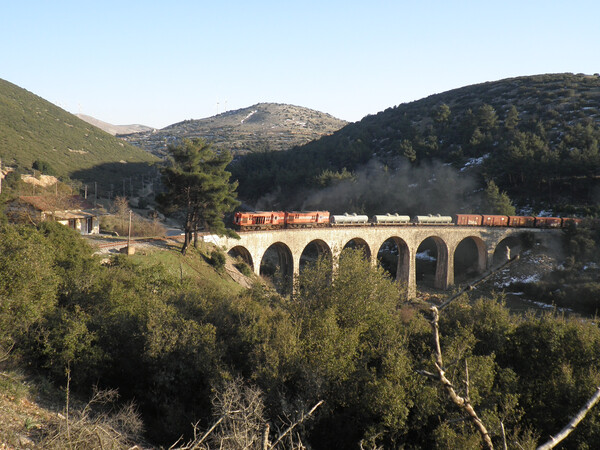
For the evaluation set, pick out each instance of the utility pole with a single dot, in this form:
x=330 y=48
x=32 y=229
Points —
x=130 y=249
x=129 y=232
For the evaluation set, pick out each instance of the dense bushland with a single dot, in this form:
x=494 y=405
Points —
x=170 y=343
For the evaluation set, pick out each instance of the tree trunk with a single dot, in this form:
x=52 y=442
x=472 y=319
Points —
x=186 y=241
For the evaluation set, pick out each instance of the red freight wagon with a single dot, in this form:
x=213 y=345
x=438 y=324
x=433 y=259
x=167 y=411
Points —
x=521 y=221
x=568 y=220
x=473 y=220
x=494 y=221
x=303 y=219
x=259 y=220
x=548 y=222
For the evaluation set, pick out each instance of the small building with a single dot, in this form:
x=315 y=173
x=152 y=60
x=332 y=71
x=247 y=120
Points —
x=72 y=211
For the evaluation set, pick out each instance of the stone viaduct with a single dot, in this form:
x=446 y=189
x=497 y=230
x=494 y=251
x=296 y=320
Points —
x=290 y=246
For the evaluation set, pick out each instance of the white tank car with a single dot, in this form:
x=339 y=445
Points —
x=390 y=219
x=349 y=219
x=433 y=220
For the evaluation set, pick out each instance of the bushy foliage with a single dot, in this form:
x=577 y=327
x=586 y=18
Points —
x=217 y=259
x=43 y=167
x=344 y=336
x=28 y=283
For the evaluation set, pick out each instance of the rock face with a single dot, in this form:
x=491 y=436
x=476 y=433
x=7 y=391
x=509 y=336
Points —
x=262 y=127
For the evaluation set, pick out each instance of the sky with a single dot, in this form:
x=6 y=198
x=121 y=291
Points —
x=157 y=63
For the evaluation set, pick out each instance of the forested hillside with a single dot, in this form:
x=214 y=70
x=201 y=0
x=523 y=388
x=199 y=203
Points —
x=33 y=129
x=536 y=137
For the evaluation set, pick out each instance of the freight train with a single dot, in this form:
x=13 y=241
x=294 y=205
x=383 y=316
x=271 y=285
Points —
x=267 y=220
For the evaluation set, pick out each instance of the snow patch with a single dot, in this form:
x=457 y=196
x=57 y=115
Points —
x=474 y=162
x=425 y=256
x=523 y=279
x=249 y=115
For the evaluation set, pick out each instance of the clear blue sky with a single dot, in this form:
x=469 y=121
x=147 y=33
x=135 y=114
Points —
x=157 y=63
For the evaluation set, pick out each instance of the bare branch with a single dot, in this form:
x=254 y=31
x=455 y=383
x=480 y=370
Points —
x=298 y=422
x=467 y=381
x=4 y=353
x=428 y=374
x=554 y=440
x=196 y=442
x=266 y=444
x=459 y=401
x=504 y=446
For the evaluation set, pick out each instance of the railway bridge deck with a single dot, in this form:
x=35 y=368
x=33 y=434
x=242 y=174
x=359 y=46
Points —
x=290 y=246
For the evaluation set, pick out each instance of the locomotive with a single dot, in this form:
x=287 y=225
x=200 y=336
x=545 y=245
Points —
x=268 y=220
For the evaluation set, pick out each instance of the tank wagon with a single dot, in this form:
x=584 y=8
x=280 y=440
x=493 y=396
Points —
x=390 y=219
x=349 y=219
x=431 y=219
x=267 y=220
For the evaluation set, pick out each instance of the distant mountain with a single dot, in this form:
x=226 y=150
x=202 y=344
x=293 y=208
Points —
x=537 y=137
x=33 y=129
x=262 y=127
x=114 y=129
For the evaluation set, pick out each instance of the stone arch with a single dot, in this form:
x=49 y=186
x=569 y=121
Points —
x=435 y=249
x=243 y=253
x=313 y=250
x=394 y=256
x=277 y=263
x=514 y=242
x=359 y=244
x=470 y=258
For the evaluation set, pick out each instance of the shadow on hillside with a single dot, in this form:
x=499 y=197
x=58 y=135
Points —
x=112 y=179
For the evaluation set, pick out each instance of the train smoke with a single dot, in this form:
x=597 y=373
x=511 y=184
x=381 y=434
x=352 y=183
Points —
x=375 y=189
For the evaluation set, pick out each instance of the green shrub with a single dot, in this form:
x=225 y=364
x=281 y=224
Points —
x=217 y=259
x=243 y=268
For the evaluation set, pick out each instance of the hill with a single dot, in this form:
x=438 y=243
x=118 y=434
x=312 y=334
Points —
x=265 y=126
x=535 y=136
x=114 y=129
x=33 y=129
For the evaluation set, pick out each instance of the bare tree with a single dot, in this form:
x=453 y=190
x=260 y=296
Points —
x=121 y=209
x=94 y=427
x=241 y=423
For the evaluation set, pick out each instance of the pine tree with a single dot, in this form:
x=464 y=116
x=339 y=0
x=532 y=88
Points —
x=198 y=186
x=498 y=202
